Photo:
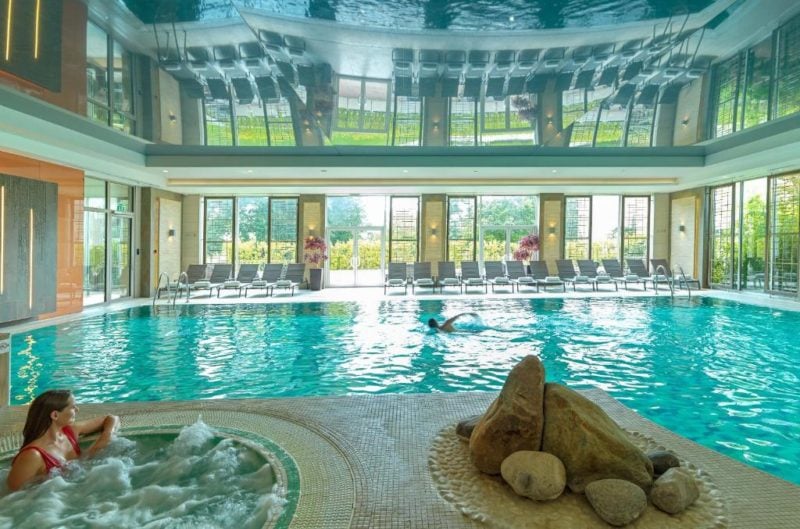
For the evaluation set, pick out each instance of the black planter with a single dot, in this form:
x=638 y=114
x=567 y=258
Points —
x=315 y=279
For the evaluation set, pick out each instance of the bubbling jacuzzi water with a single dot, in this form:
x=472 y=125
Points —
x=196 y=479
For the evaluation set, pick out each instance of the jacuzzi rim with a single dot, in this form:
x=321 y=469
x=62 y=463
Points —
x=288 y=481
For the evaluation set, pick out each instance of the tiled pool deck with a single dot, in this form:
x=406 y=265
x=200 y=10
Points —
x=363 y=460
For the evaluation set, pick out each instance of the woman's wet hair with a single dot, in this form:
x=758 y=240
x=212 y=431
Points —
x=433 y=323
x=38 y=420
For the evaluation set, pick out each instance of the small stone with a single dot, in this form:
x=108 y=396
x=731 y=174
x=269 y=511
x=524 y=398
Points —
x=674 y=491
x=616 y=501
x=663 y=461
x=464 y=428
x=536 y=475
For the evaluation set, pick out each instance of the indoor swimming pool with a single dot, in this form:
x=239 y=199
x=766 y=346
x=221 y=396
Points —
x=720 y=373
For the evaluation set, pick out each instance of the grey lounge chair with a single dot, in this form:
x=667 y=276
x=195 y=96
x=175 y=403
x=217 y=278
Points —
x=196 y=277
x=637 y=266
x=423 y=277
x=566 y=271
x=220 y=273
x=614 y=269
x=294 y=277
x=588 y=268
x=447 y=276
x=270 y=274
x=496 y=275
x=246 y=274
x=396 y=277
x=471 y=276
x=517 y=274
x=543 y=278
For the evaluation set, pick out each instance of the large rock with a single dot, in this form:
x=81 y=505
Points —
x=588 y=442
x=663 y=461
x=514 y=421
x=465 y=427
x=674 y=491
x=535 y=475
x=616 y=501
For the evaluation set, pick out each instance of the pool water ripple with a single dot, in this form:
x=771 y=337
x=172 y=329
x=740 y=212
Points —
x=720 y=373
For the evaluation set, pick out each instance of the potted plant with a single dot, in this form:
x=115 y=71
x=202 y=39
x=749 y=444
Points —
x=528 y=249
x=314 y=256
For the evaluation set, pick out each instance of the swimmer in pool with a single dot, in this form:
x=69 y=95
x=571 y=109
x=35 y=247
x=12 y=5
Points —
x=50 y=437
x=447 y=326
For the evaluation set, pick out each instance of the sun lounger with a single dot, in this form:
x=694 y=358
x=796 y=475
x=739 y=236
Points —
x=496 y=275
x=447 y=276
x=471 y=276
x=246 y=274
x=566 y=271
x=396 y=277
x=423 y=278
x=517 y=274
x=543 y=278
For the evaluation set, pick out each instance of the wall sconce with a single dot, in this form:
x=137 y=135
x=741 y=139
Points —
x=311 y=231
x=171 y=233
x=549 y=121
x=685 y=121
x=436 y=125
x=551 y=231
x=682 y=228
x=434 y=232
x=172 y=117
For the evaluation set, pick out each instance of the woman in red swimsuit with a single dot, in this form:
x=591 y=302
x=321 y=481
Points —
x=51 y=437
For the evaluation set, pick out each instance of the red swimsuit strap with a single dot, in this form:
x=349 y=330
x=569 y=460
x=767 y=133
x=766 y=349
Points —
x=50 y=461
x=73 y=439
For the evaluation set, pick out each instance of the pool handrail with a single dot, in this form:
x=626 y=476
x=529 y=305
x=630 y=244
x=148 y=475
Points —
x=178 y=288
x=157 y=293
x=669 y=282
x=685 y=281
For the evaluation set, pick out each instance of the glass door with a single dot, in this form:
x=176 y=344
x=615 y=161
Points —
x=498 y=243
x=120 y=257
x=356 y=257
x=341 y=261
x=369 y=257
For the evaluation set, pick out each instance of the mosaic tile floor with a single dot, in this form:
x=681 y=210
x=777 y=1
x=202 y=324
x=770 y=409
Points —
x=364 y=459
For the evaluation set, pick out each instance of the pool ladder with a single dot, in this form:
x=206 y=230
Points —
x=671 y=281
x=668 y=278
x=173 y=296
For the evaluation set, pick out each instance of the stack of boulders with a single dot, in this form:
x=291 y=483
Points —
x=544 y=437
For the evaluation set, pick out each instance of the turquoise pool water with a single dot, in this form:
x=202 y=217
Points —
x=723 y=374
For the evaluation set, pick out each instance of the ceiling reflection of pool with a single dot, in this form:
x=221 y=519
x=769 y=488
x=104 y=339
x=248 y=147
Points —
x=722 y=374
x=428 y=14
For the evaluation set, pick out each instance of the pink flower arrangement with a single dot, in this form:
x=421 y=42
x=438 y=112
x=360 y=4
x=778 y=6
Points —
x=315 y=249
x=528 y=246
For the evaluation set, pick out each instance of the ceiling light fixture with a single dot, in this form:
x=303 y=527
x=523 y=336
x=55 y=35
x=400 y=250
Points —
x=164 y=171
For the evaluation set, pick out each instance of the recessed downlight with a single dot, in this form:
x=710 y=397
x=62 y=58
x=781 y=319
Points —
x=554 y=171
x=405 y=171
x=164 y=171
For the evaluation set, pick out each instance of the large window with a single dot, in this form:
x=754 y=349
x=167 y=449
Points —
x=219 y=129
x=462 y=125
x=757 y=85
x=109 y=81
x=508 y=121
x=253 y=240
x=407 y=130
x=251 y=127
x=753 y=234
x=611 y=127
x=577 y=215
x=722 y=214
x=403 y=229
x=108 y=221
x=504 y=220
x=585 y=120
x=279 y=123
x=785 y=232
x=362 y=112
x=640 y=126
x=727 y=77
x=636 y=227
x=283 y=230
x=605 y=227
x=461 y=217
x=788 y=68
x=219 y=230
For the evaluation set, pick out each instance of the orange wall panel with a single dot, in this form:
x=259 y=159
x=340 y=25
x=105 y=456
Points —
x=69 y=265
